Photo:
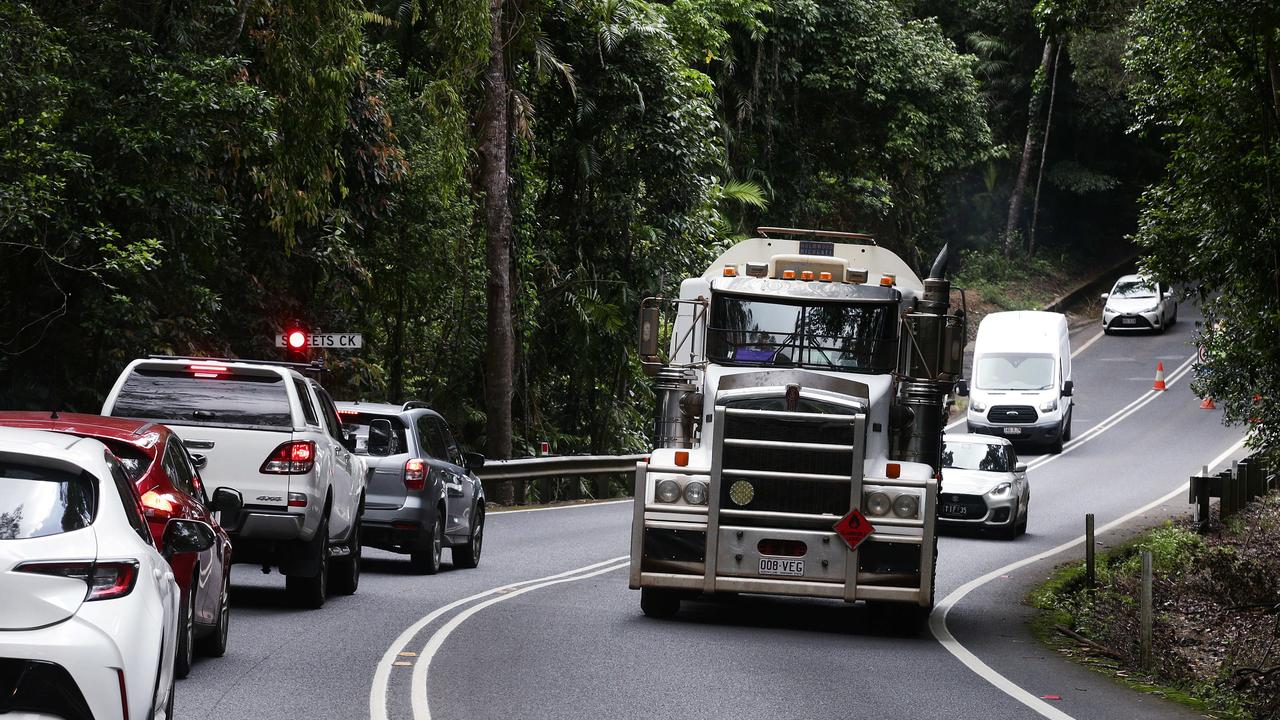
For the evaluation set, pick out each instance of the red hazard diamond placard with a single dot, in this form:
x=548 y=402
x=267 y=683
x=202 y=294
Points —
x=854 y=528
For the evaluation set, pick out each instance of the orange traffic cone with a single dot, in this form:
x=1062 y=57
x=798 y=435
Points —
x=1159 y=377
x=1207 y=404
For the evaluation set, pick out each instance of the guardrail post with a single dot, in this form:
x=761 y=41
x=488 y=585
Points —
x=1200 y=495
x=1226 y=508
x=602 y=487
x=1257 y=480
x=1146 y=610
x=1245 y=480
x=1090 y=575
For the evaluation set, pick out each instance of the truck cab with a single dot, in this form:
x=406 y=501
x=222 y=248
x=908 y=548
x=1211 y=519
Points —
x=801 y=390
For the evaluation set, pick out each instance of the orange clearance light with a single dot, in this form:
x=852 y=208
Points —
x=730 y=271
x=806 y=275
x=888 y=280
x=682 y=458
x=892 y=470
x=788 y=274
x=824 y=276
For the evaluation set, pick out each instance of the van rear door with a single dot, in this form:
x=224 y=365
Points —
x=236 y=417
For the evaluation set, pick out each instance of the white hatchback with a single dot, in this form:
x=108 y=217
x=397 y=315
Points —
x=1137 y=303
x=89 y=626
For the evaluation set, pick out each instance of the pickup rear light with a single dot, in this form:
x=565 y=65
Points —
x=105 y=580
x=292 y=458
x=157 y=506
x=415 y=475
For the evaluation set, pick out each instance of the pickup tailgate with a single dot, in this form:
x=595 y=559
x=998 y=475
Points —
x=234 y=459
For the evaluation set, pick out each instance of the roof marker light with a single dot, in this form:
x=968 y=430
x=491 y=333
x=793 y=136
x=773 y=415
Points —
x=788 y=274
x=892 y=470
x=730 y=271
x=824 y=276
x=888 y=280
x=806 y=274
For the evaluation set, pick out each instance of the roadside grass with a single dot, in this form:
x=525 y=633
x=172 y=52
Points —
x=1216 y=635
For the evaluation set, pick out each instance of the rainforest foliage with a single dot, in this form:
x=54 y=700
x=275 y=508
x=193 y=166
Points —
x=191 y=177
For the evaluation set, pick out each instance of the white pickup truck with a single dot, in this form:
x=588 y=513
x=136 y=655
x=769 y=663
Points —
x=272 y=434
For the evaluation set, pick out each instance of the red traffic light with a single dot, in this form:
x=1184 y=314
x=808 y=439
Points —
x=296 y=339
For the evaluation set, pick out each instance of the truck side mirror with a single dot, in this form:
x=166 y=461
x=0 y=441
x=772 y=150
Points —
x=1068 y=387
x=962 y=387
x=650 y=326
x=380 y=437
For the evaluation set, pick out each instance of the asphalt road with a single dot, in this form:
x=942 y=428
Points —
x=460 y=645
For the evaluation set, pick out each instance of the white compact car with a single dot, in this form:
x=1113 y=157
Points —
x=1137 y=303
x=89 y=626
x=983 y=485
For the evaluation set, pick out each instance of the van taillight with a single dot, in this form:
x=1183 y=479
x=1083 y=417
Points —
x=106 y=580
x=415 y=475
x=291 y=458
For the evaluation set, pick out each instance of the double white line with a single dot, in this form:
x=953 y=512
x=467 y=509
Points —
x=422 y=664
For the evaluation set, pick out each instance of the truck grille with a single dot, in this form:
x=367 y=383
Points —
x=784 y=493
x=1012 y=414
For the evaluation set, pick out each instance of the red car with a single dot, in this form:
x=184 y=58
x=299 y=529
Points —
x=169 y=483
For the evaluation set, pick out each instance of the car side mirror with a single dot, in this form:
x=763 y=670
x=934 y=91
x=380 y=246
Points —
x=1068 y=388
x=1106 y=295
x=200 y=461
x=473 y=460
x=380 y=437
x=227 y=503
x=962 y=387
x=1020 y=468
x=186 y=536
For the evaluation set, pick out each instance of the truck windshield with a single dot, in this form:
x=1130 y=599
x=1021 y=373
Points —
x=1014 y=372
x=857 y=336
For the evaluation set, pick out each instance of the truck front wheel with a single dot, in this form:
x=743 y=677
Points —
x=659 y=603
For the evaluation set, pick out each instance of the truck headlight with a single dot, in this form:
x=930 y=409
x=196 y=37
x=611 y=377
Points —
x=1001 y=489
x=906 y=506
x=668 y=491
x=878 y=504
x=977 y=405
x=695 y=493
x=1049 y=405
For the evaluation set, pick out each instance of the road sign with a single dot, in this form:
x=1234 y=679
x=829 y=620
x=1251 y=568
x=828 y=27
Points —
x=1204 y=355
x=854 y=528
x=331 y=341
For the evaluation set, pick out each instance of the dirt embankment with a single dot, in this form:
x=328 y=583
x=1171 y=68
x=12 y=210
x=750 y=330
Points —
x=1216 y=629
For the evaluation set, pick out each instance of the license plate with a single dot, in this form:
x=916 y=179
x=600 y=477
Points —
x=1128 y=321
x=781 y=566
x=1013 y=431
x=956 y=510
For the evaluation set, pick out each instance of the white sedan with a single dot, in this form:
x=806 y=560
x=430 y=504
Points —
x=983 y=485
x=1137 y=303
x=89 y=627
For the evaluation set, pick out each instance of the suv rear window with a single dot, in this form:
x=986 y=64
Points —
x=39 y=501
x=359 y=423
x=224 y=400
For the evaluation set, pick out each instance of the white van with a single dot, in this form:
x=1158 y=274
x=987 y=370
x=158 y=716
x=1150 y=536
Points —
x=1021 y=384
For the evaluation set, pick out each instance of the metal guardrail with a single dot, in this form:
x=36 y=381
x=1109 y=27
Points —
x=559 y=477
x=1246 y=481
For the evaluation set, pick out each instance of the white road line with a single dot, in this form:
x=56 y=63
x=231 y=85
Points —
x=1116 y=417
x=1074 y=353
x=382 y=674
x=418 y=693
x=559 y=507
x=938 y=619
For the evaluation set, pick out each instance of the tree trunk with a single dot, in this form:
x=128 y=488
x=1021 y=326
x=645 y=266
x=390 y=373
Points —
x=495 y=179
x=1024 y=167
x=1044 y=151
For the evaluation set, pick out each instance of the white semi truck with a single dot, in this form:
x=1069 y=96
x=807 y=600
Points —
x=801 y=386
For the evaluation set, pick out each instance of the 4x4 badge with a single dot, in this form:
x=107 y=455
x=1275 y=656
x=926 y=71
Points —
x=270 y=498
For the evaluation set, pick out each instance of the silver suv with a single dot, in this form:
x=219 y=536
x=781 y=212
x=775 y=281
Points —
x=423 y=495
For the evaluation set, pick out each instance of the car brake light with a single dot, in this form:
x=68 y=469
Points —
x=415 y=475
x=297 y=500
x=292 y=458
x=206 y=370
x=156 y=506
x=105 y=580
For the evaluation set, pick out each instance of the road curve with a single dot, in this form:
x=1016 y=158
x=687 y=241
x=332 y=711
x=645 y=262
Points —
x=571 y=643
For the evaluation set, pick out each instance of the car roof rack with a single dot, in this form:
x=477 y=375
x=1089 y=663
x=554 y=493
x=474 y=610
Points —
x=416 y=405
x=313 y=366
x=833 y=234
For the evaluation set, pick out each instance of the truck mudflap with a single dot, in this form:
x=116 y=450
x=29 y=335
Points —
x=782 y=553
